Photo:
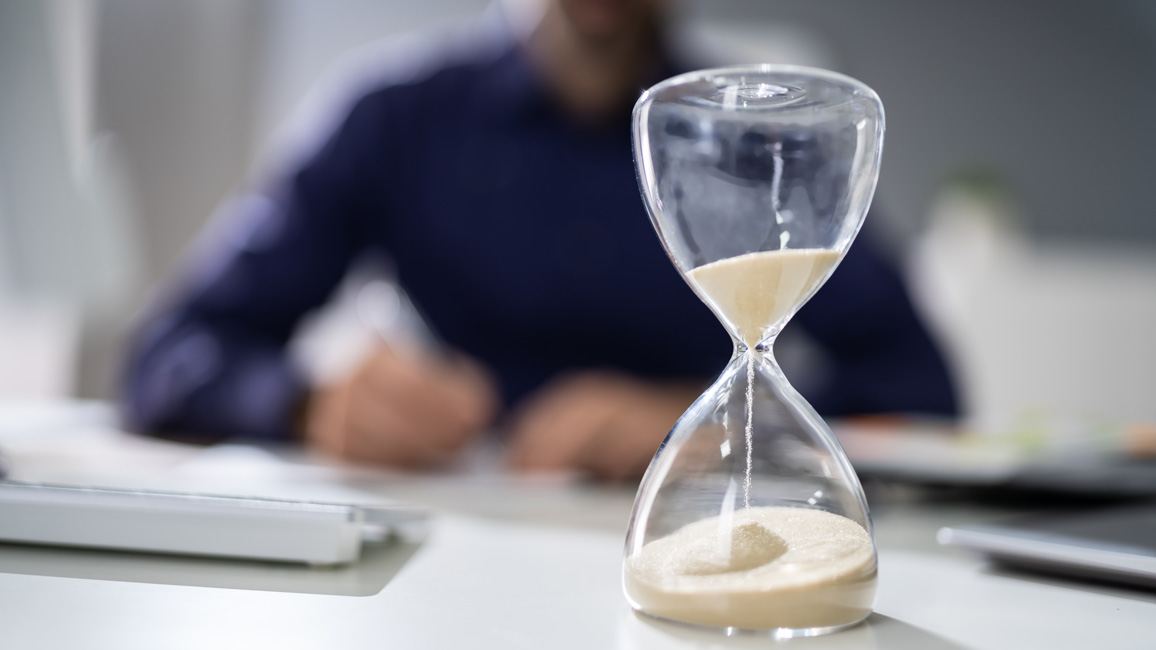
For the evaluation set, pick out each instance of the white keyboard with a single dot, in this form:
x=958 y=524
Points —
x=186 y=524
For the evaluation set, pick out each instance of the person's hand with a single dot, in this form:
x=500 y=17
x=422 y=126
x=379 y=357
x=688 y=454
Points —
x=605 y=423
x=406 y=411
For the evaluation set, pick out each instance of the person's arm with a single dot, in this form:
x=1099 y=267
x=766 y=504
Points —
x=884 y=360
x=209 y=361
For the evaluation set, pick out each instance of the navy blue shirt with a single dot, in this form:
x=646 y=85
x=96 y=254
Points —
x=521 y=234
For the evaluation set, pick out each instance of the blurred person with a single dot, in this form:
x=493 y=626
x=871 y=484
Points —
x=496 y=171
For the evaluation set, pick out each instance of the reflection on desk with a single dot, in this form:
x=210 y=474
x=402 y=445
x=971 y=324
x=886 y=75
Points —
x=378 y=565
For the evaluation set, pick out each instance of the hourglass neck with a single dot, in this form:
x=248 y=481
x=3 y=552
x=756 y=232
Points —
x=765 y=348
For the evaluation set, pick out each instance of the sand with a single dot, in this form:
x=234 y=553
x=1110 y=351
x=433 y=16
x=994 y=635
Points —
x=756 y=291
x=764 y=568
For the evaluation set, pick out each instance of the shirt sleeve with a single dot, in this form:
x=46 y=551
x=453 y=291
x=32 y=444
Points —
x=883 y=358
x=209 y=362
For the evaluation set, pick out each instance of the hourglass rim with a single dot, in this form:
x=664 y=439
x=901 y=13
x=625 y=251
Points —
x=770 y=71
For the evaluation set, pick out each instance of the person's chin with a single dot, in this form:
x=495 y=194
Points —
x=603 y=20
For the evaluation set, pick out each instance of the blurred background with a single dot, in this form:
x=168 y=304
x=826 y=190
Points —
x=1014 y=187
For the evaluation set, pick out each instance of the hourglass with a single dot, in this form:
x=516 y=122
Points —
x=750 y=517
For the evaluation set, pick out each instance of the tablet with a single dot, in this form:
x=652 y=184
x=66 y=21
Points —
x=1116 y=544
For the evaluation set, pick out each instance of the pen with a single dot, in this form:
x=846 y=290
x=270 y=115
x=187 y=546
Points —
x=394 y=317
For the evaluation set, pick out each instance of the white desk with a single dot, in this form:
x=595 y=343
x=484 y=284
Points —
x=509 y=563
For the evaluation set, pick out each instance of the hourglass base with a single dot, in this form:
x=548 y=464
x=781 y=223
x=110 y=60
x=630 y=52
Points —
x=778 y=633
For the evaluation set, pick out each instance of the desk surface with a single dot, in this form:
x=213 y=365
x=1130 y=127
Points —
x=508 y=563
